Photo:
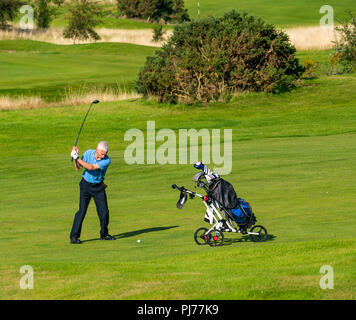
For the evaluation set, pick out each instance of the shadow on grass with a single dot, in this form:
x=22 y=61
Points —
x=135 y=233
x=245 y=238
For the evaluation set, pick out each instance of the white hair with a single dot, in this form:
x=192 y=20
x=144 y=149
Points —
x=103 y=146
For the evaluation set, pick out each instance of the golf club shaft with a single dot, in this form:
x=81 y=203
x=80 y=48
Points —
x=80 y=130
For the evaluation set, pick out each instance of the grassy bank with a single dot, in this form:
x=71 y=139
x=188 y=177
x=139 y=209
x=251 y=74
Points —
x=55 y=72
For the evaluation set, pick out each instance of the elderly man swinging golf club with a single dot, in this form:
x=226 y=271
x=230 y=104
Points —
x=95 y=163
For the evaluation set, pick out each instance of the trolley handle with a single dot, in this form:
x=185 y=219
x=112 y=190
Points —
x=182 y=189
x=174 y=186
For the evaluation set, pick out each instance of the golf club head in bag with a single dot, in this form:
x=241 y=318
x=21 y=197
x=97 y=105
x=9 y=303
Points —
x=197 y=179
x=182 y=199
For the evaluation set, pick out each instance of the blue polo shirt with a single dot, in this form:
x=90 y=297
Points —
x=95 y=176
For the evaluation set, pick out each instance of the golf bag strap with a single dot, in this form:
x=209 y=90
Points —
x=228 y=214
x=243 y=211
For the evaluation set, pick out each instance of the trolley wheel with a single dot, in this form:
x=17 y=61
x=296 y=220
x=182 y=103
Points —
x=200 y=236
x=262 y=234
x=215 y=238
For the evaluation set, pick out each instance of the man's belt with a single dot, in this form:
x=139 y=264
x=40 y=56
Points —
x=95 y=184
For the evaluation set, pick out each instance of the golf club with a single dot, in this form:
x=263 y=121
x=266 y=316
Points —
x=94 y=102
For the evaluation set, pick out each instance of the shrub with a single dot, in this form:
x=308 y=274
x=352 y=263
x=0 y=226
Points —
x=8 y=11
x=213 y=58
x=346 y=45
x=334 y=60
x=154 y=10
x=310 y=67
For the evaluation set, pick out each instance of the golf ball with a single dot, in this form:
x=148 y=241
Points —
x=138 y=241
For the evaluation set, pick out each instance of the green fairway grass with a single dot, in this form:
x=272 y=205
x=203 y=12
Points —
x=281 y=13
x=294 y=160
x=32 y=68
x=107 y=21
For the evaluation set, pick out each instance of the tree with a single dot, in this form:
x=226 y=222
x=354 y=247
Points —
x=83 y=18
x=346 y=45
x=180 y=14
x=130 y=8
x=154 y=10
x=8 y=11
x=44 y=14
x=58 y=3
x=213 y=58
x=158 y=33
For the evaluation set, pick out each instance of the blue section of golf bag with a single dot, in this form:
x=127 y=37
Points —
x=237 y=213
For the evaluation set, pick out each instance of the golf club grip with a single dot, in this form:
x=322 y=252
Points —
x=74 y=146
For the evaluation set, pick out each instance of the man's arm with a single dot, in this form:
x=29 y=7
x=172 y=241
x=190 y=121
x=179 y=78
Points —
x=80 y=163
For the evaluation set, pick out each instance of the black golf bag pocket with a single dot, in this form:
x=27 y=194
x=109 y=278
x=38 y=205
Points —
x=182 y=200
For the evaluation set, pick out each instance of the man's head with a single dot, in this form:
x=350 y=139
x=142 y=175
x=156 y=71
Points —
x=101 y=150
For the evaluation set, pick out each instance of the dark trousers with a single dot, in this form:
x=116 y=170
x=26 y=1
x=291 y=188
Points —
x=88 y=191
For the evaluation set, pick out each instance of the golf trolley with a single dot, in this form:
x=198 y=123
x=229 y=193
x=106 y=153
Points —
x=220 y=219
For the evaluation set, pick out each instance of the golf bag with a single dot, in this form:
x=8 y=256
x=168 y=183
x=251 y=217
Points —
x=225 y=195
x=224 y=211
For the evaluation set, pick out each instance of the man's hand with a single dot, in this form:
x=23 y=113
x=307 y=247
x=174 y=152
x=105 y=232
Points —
x=74 y=154
x=79 y=163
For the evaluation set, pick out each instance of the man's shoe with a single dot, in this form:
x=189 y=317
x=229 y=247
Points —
x=108 y=237
x=75 y=241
